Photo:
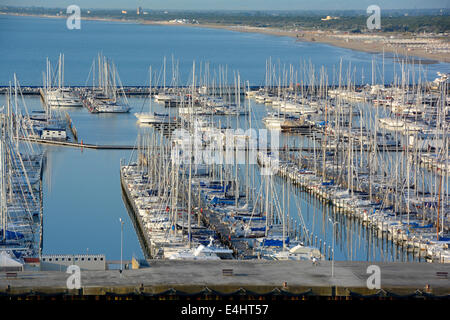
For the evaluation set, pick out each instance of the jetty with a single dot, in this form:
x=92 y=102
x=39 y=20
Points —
x=259 y=278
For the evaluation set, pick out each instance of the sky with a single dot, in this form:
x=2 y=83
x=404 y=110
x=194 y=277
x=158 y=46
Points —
x=236 y=4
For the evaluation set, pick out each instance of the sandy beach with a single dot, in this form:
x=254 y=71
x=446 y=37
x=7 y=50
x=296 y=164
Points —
x=305 y=35
x=322 y=37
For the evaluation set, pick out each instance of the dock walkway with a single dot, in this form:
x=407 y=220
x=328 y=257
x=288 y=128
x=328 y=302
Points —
x=79 y=144
x=129 y=147
x=258 y=276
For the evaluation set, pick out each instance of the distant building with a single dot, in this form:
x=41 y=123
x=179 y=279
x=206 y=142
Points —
x=84 y=261
x=139 y=11
x=329 y=18
x=124 y=12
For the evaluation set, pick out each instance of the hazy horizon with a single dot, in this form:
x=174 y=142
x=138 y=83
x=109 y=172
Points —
x=234 y=4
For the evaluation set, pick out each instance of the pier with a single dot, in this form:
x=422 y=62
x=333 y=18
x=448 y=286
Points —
x=144 y=240
x=144 y=90
x=315 y=185
x=78 y=144
x=72 y=127
x=130 y=147
x=251 y=277
x=239 y=246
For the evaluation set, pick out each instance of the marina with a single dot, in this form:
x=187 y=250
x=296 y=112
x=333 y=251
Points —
x=319 y=180
x=312 y=167
x=363 y=198
x=279 y=165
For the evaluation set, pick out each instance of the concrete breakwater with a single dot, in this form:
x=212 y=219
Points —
x=249 y=277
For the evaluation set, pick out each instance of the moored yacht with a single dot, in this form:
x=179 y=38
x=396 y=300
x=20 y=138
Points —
x=152 y=117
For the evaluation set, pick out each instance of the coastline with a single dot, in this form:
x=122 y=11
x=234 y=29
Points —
x=313 y=36
x=303 y=36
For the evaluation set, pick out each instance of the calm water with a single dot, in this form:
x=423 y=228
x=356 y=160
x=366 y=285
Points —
x=82 y=197
x=28 y=41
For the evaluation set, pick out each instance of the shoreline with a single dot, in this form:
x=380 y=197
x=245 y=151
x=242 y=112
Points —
x=303 y=36
x=312 y=36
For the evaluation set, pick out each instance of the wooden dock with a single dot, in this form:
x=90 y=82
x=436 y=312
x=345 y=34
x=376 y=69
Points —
x=71 y=127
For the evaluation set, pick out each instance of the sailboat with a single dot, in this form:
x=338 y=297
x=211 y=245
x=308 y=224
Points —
x=152 y=117
x=276 y=120
x=20 y=176
x=108 y=97
x=59 y=96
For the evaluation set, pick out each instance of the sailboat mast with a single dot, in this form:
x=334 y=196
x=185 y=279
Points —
x=150 y=90
x=59 y=72
x=99 y=72
x=190 y=167
x=164 y=75
x=62 y=76
x=3 y=211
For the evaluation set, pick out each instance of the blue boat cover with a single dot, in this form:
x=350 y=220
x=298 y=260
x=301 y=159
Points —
x=274 y=242
x=11 y=235
x=217 y=200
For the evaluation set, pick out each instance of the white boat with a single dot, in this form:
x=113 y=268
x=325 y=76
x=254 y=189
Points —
x=152 y=118
x=112 y=107
x=200 y=253
x=275 y=121
x=162 y=97
x=299 y=252
x=67 y=103
x=392 y=124
x=222 y=253
x=62 y=98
